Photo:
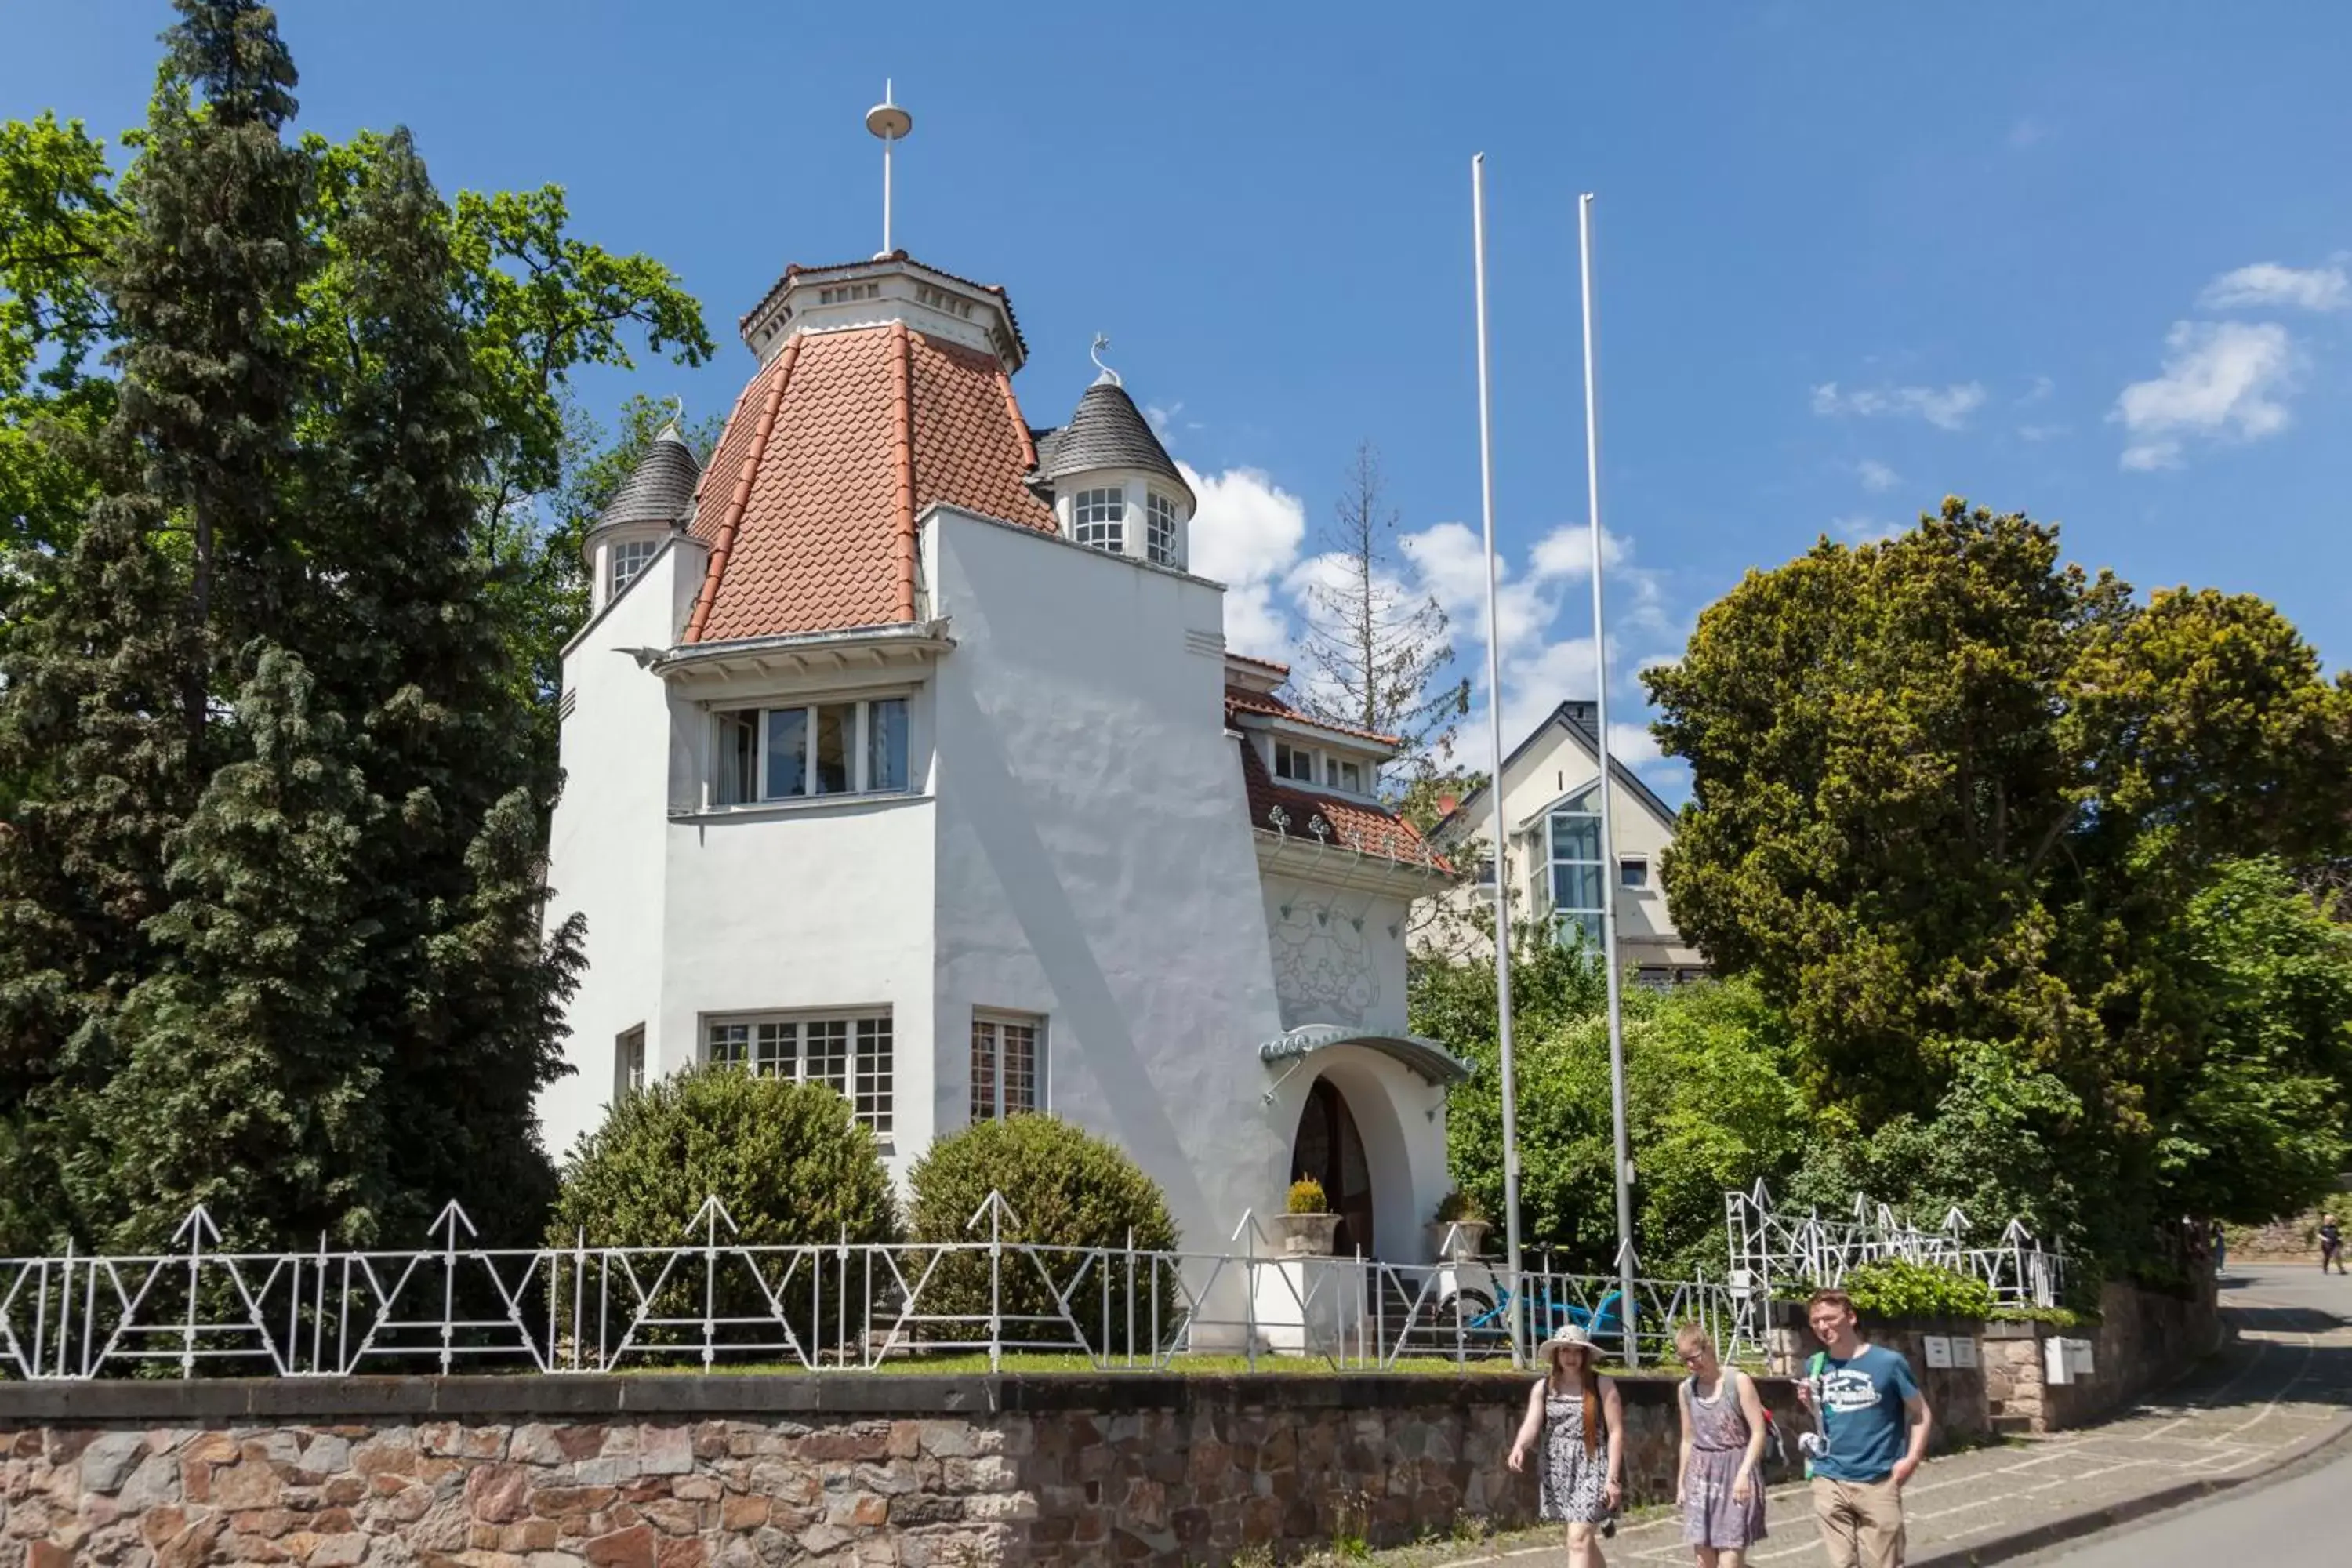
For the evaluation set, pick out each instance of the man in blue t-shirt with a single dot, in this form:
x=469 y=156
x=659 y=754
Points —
x=1864 y=1396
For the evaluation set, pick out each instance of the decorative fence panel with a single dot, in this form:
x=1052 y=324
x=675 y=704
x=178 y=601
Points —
x=710 y=1301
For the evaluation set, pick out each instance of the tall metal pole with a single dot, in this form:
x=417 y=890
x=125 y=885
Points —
x=1626 y=1306
x=1495 y=788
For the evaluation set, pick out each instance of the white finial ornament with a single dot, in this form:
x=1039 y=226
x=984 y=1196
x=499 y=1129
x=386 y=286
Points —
x=891 y=123
x=1102 y=342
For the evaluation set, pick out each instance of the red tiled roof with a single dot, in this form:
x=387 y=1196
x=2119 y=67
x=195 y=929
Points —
x=833 y=451
x=1261 y=663
x=1350 y=824
x=1247 y=701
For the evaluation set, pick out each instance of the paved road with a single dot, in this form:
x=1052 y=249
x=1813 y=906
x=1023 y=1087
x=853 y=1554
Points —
x=2285 y=1386
x=2303 y=1518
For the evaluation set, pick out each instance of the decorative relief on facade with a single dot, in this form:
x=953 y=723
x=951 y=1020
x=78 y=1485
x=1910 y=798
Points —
x=1323 y=968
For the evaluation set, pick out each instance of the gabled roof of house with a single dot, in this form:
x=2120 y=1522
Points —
x=834 y=448
x=1241 y=699
x=1296 y=811
x=660 y=489
x=1569 y=717
x=1108 y=431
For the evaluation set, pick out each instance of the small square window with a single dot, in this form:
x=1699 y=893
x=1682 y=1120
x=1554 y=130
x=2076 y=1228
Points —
x=625 y=559
x=1099 y=520
x=1293 y=762
x=1483 y=871
x=1633 y=871
x=1341 y=776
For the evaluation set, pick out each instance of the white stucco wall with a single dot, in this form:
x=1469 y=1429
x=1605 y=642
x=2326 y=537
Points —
x=604 y=844
x=1336 y=959
x=1093 y=860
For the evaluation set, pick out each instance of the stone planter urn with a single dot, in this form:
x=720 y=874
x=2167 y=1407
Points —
x=1458 y=1242
x=1306 y=1235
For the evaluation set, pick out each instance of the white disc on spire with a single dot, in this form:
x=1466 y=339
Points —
x=886 y=120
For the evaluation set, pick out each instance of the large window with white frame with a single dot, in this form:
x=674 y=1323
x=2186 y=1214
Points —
x=624 y=558
x=806 y=750
x=850 y=1051
x=1160 y=529
x=1579 y=875
x=1008 y=1059
x=1098 y=520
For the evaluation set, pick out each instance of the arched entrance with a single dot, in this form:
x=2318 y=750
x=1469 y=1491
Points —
x=1329 y=1149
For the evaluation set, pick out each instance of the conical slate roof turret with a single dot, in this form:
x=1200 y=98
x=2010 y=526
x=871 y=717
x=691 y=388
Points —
x=1107 y=432
x=660 y=489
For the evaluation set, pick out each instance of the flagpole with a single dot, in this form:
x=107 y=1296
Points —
x=1494 y=787
x=1626 y=1306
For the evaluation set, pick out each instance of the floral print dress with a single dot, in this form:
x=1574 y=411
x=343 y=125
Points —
x=1572 y=1478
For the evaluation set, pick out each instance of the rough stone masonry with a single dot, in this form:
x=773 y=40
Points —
x=731 y=1472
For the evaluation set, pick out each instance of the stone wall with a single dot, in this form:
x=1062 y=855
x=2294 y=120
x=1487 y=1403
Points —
x=2144 y=1340
x=734 y=1472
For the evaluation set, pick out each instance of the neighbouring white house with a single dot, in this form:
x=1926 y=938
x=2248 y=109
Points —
x=1558 y=868
x=903 y=752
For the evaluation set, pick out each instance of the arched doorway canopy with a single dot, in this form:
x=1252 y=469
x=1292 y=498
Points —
x=1424 y=1056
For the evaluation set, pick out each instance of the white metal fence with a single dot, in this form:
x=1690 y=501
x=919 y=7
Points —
x=711 y=1301
x=1773 y=1249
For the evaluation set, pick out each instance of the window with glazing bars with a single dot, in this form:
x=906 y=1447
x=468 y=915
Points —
x=850 y=1052
x=625 y=559
x=1099 y=518
x=1160 y=529
x=1005 y=1060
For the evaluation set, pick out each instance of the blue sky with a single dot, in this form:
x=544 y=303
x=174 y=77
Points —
x=2088 y=261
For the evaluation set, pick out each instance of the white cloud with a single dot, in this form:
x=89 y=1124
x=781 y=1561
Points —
x=1945 y=408
x=1633 y=745
x=2222 y=380
x=2039 y=391
x=1876 y=477
x=1246 y=533
x=2267 y=284
x=1858 y=529
x=1565 y=554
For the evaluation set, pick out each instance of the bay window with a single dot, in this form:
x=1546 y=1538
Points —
x=803 y=751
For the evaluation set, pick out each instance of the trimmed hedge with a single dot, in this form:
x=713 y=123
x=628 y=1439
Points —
x=789 y=1160
x=1066 y=1188
x=1892 y=1287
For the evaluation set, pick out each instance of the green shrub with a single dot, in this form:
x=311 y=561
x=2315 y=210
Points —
x=789 y=1160
x=1458 y=1207
x=1065 y=1188
x=1307 y=1196
x=1892 y=1287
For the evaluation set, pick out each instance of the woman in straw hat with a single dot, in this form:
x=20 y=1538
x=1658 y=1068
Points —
x=1577 y=1412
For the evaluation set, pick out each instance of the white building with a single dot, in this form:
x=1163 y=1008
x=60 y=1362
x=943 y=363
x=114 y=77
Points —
x=903 y=752
x=1557 y=867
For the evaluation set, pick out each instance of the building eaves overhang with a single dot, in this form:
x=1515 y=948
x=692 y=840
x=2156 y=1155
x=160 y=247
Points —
x=852 y=650
x=1422 y=1054
x=1336 y=863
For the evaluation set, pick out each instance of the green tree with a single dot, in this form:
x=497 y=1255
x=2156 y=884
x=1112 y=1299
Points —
x=1947 y=790
x=1712 y=1104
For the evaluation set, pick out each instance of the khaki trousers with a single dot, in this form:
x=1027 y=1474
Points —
x=1861 y=1523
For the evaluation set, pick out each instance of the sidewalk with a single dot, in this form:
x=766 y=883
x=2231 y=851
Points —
x=2282 y=1390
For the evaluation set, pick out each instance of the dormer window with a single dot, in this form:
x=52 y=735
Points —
x=1343 y=775
x=1099 y=520
x=1160 y=529
x=625 y=559
x=1320 y=768
x=1294 y=762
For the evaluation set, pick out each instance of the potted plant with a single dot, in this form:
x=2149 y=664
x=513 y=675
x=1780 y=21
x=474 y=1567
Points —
x=1309 y=1228
x=1459 y=1233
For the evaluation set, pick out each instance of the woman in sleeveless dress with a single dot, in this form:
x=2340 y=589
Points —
x=1578 y=1415
x=1718 y=1487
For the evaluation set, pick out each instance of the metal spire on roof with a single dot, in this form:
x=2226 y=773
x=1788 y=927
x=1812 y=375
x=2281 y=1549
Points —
x=891 y=123
x=1102 y=342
